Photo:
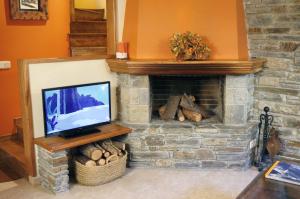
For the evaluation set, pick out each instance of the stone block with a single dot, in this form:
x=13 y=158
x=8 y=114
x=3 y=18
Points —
x=204 y=154
x=277 y=30
x=123 y=80
x=214 y=141
x=297 y=61
x=229 y=150
x=235 y=114
x=164 y=163
x=269 y=81
x=141 y=164
x=178 y=130
x=190 y=142
x=254 y=30
x=186 y=164
x=149 y=155
x=183 y=155
x=288 y=46
x=155 y=140
x=269 y=96
x=139 y=81
x=231 y=157
x=144 y=96
x=211 y=130
x=134 y=96
x=282 y=91
x=55 y=162
x=273 y=1
x=124 y=95
x=240 y=81
x=213 y=164
x=153 y=130
x=292 y=122
x=260 y=20
x=138 y=114
x=279 y=9
x=237 y=164
x=236 y=96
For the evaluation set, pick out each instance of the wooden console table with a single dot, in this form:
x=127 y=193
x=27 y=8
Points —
x=56 y=143
x=261 y=187
x=53 y=155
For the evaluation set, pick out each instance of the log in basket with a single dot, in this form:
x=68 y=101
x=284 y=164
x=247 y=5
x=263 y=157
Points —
x=97 y=175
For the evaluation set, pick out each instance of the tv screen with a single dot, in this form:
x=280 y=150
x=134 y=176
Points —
x=72 y=109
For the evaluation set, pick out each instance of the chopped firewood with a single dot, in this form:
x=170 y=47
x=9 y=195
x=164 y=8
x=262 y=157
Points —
x=99 y=147
x=101 y=162
x=111 y=158
x=192 y=98
x=188 y=104
x=171 y=107
x=191 y=115
x=162 y=110
x=106 y=154
x=91 y=152
x=180 y=115
x=108 y=147
x=119 y=145
x=119 y=150
x=85 y=161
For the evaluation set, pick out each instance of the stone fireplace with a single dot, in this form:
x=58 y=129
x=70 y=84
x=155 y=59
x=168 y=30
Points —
x=222 y=141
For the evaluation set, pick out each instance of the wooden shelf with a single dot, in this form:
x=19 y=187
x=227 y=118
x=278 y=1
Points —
x=173 y=67
x=56 y=143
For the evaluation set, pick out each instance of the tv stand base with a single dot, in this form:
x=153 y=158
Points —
x=79 y=133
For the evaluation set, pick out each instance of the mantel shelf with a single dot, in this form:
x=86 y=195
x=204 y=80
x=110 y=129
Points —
x=173 y=67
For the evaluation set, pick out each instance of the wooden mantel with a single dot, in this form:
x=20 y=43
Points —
x=173 y=67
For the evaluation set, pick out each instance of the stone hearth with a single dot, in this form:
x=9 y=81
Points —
x=208 y=144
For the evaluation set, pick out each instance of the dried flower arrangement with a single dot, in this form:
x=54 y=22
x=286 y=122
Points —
x=189 y=46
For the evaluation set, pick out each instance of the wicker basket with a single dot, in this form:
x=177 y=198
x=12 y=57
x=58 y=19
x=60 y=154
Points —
x=100 y=174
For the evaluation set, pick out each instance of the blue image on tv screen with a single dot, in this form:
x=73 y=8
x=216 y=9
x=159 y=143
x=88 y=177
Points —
x=75 y=107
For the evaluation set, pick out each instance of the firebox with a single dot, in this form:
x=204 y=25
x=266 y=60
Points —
x=207 y=91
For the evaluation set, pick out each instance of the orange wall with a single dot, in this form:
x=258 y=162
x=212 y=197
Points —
x=217 y=20
x=21 y=39
x=242 y=32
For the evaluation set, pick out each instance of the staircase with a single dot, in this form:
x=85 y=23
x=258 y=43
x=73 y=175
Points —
x=12 y=150
x=88 y=35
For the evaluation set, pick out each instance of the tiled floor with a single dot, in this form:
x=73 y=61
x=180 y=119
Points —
x=147 y=184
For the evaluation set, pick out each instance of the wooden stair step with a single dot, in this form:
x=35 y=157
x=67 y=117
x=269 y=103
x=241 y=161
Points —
x=88 y=40
x=15 y=156
x=88 y=51
x=88 y=27
x=89 y=14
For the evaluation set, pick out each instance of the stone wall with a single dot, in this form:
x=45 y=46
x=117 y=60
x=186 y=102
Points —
x=274 y=34
x=53 y=170
x=174 y=145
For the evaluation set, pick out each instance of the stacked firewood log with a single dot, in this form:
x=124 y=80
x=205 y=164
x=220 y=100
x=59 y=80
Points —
x=184 y=107
x=100 y=153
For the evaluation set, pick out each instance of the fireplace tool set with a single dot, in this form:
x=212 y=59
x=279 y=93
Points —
x=262 y=159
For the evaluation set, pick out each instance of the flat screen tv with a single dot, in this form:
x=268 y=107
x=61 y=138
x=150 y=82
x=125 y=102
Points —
x=75 y=110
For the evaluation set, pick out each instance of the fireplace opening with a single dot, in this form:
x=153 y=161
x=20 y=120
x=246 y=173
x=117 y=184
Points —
x=207 y=92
